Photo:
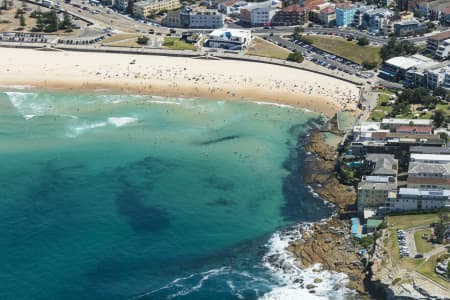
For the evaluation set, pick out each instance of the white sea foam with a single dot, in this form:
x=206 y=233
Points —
x=293 y=279
x=273 y=104
x=163 y=102
x=16 y=87
x=75 y=131
x=28 y=105
x=121 y=121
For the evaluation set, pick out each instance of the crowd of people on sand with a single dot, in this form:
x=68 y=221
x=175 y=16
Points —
x=220 y=83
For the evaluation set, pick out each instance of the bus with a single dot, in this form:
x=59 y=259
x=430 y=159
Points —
x=47 y=3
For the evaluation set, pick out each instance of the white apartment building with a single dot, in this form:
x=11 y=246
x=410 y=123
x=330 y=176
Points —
x=443 y=51
x=257 y=14
x=412 y=199
x=438 y=78
x=430 y=158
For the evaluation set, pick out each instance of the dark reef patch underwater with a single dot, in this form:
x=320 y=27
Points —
x=114 y=197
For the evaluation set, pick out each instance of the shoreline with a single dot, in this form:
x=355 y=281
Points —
x=176 y=77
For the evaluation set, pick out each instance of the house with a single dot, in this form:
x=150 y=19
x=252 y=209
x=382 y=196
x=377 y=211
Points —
x=233 y=39
x=429 y=175
x=146 y=8
x=414 y=199
x=345 y=14
x=408 y=129
x=373 y=191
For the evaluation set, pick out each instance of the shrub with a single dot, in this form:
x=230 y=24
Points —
x=142 y=40
x=295 y=56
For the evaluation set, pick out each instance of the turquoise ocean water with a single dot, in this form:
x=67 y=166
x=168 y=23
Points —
x=140 y=197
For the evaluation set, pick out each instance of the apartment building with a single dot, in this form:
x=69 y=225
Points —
x=373 y=191
x=429 y=175
x=257 y=14
x=291 y=15
x=146 y=8
x=437 y=40
x=413 y=199
x=345 y=14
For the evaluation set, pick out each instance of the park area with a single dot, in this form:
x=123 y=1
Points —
x=419 y=226
x=260 y=47
x=346 y=49
x=175 y=43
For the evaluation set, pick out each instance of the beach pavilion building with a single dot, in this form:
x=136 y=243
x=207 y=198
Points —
x=227 y=38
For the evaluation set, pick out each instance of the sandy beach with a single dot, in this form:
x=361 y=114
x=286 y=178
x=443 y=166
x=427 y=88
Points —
x=176 y=77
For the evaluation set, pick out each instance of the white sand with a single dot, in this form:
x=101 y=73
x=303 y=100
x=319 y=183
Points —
x=173 y=76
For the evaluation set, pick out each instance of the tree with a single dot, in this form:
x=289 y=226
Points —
x=40 y=23
x=439 y=231
x=363 y=41
x=438 y=118
x=444 y=137
x=52 y=22
x=295 y=56
x=142 y=40
x=67 y=21
x=22 y=21
x=369 y=64
x=298 y=30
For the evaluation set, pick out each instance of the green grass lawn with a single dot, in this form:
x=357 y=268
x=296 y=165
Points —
x=427 y=269
x=346 y=49
x=260 y=47
x=422 y=245
x=381 y=111
x=175 y=43
x=409 y=221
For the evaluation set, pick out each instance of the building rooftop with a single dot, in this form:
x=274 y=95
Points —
x=416 y=168
x=441 y=36
x=378 y=179
x=429 y=150
x=294 y=8
x=424 y=192
x=404 y=62
x=229 y=33
x=420 y=129
x=344 y=5
x=393 y=121
x=430 y=157
x=328 y=10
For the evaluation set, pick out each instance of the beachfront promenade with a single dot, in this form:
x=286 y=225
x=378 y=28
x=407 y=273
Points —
x=188 y=53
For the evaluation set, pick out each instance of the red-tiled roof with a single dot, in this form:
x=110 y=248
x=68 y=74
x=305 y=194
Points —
x=293 y=8
x=428 y=181
x=344 y=5
x=310 y=4
x=379 y=135
x=328 y=10
x=230 y=2
x=441 y=36
x=421 y=129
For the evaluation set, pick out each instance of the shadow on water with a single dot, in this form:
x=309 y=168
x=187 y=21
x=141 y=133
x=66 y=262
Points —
x=300 y=204
x=218 y=140
x=134 y=180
